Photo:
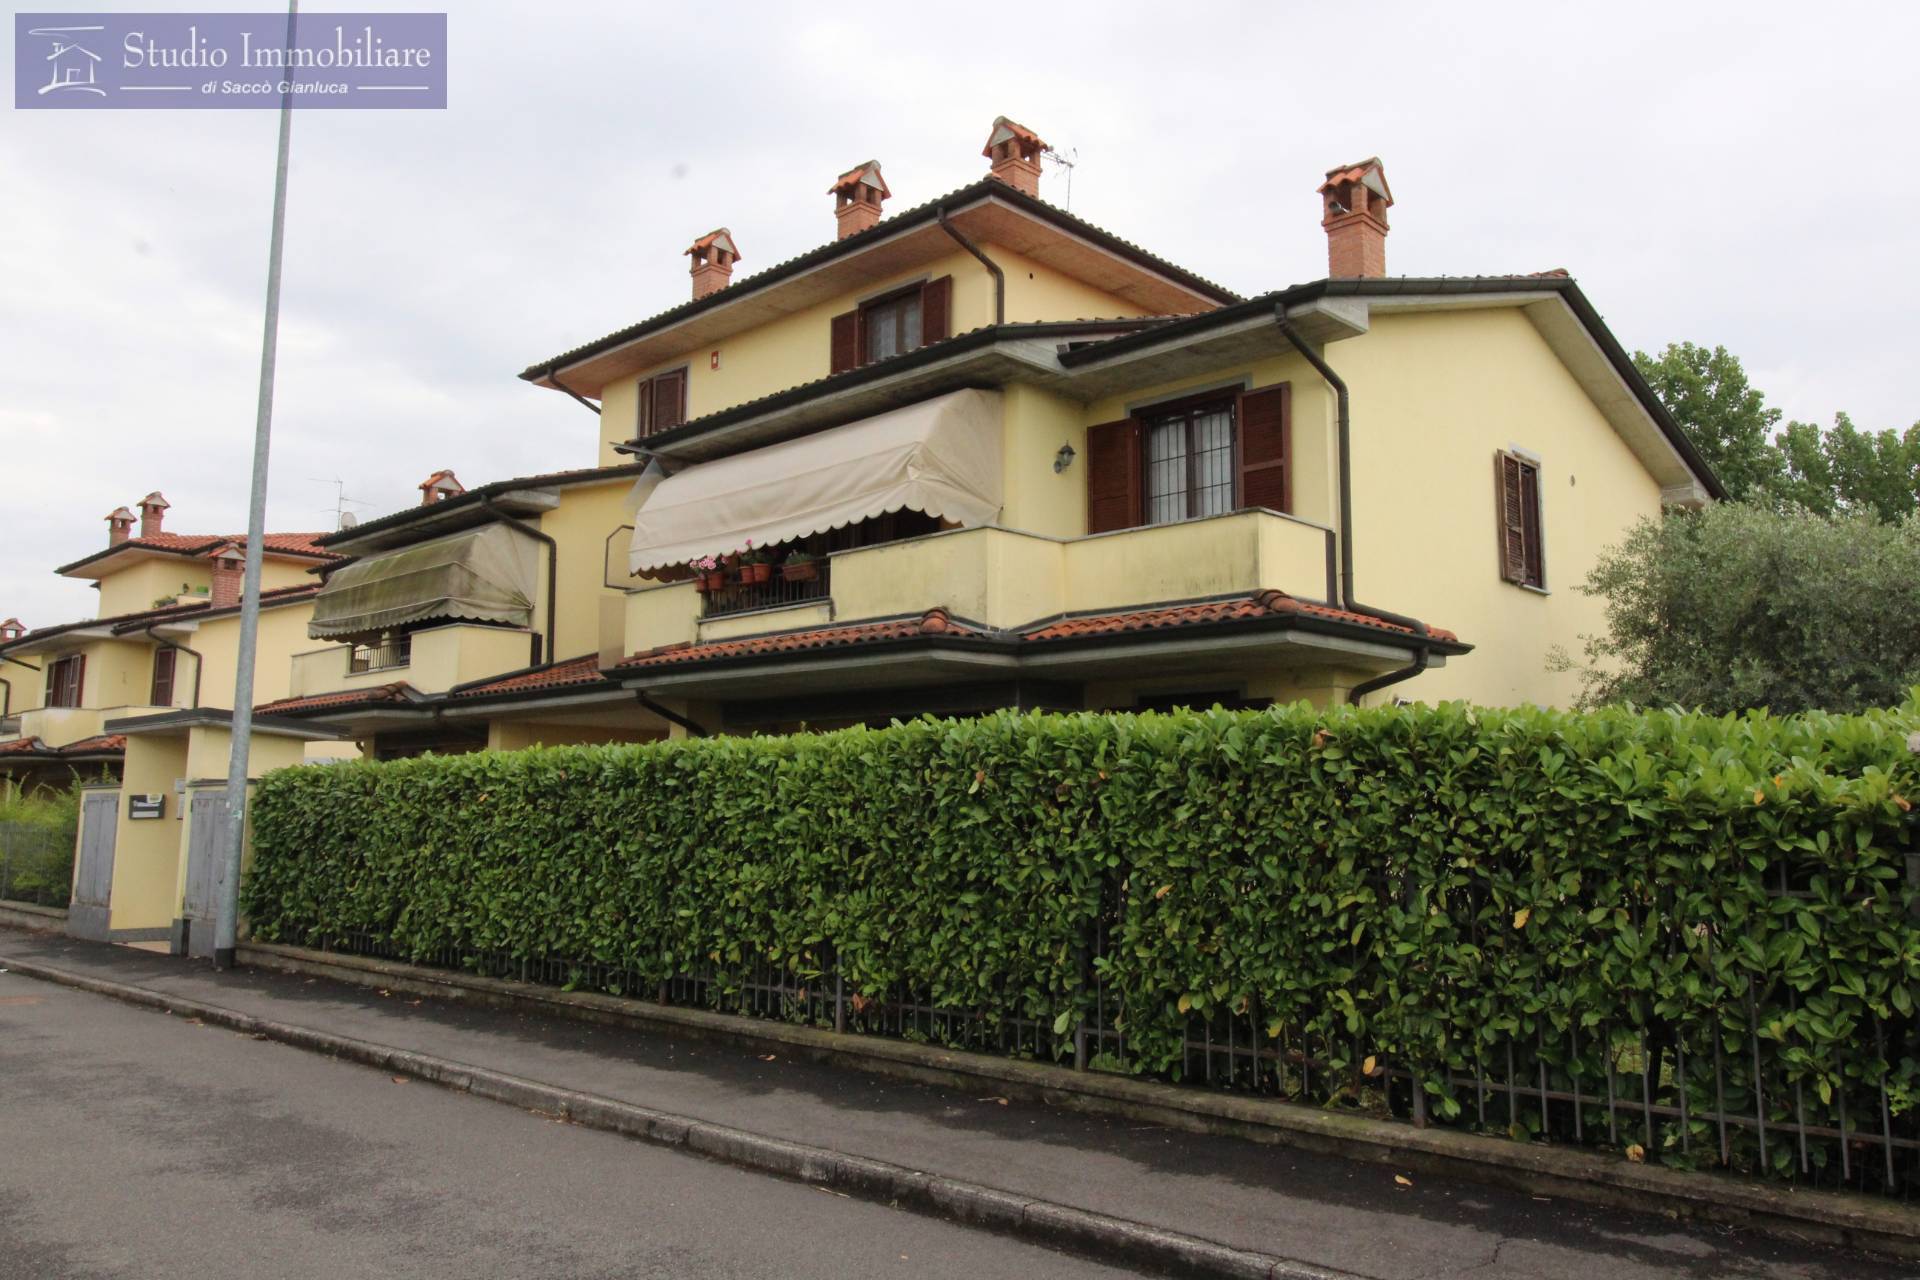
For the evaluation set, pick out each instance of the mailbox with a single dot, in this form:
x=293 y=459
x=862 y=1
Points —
x=148 y=806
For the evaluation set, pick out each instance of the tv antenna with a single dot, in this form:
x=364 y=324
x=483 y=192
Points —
x=342 y=517
x=1064 y=160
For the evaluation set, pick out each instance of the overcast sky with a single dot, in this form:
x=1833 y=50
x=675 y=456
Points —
x=1739 y=174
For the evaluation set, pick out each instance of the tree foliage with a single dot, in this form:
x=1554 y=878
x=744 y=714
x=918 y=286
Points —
x=1838 y=469
x=1431 y=888
x=1742 y=605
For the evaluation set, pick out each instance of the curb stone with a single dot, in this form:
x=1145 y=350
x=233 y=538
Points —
x=1054 y=1225
x=1824 y=1217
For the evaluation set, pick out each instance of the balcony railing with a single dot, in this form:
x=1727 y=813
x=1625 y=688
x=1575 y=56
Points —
x=737 y=596
x=395 y=651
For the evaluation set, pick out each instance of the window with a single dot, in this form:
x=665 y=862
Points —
x=161 y=694
x=891 y=325
x=1180 y=461
x=66 y=680
x=662 y=403
x=1189 y=469
x=1517 y=503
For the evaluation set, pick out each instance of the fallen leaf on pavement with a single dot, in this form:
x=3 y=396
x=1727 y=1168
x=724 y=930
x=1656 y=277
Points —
x=399 y=1079
x=1636 y=1153
x=1403 y=1179
x=1001 y=1101
x=766 y=1057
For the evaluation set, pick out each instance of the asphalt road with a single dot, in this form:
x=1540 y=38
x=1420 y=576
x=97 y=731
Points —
x=134 y=1144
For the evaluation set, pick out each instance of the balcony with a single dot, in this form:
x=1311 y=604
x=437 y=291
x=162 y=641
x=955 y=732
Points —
x=735 y=591
x=431 y=660
x=1001 y=578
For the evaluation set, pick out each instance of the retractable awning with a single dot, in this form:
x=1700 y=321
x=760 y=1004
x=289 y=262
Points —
x=489 y=574
x=941 y=456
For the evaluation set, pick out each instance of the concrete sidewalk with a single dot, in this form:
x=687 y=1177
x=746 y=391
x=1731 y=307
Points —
x=1327 y=1212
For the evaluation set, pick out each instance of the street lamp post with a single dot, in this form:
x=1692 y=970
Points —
x=227 y=882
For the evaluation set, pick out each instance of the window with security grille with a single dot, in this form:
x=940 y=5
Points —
x=1189 y=469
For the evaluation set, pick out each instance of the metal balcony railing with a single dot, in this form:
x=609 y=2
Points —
x=394 y=651
x=737 y=596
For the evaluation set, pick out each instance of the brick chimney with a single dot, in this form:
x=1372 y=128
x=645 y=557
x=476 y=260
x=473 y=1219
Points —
x=228 y=569
x=1354 y=203
x=440 y=486
x=857 y=194
x=153 y=511
x=1015 y=152
x=119 y=526
x=12 y=629
x=713 y=257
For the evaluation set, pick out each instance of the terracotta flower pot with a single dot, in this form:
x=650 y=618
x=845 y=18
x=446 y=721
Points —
x=755 y=574
x=717 y=580
x=801 y=571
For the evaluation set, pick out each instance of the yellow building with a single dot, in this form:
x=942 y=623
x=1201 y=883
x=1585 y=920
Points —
x=134 y=701
x=983 y=453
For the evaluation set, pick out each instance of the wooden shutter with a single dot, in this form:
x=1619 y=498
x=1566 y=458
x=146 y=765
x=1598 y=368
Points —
x=643 y=418
x=1266 y=428
x=161 y=695
x=669 y=401
x=936 y=305
x=1510 y=502
x=1114 y=498
x=1536 y=570
x=846 y=342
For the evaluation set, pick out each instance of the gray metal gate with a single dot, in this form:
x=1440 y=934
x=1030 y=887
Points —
x=206 y=841
x=87 y=915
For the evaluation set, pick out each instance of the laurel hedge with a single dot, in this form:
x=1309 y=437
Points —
x=1422 y=886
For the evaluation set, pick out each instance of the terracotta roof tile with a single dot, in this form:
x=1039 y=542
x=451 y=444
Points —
x=133 y=621
x=558 y=675
x=101 y=744
x=398 y=691
x=24 y=747
x=1263 y=604
x=934 y=622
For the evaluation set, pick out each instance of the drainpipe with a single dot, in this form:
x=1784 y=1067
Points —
x=553 y=562
x=999 y=276
x=554 y=378
x=667 y=713
x=1344 y=420
x=198 y=662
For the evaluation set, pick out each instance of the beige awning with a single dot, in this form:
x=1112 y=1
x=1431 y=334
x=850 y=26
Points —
x=487 y=574
x=941 y=456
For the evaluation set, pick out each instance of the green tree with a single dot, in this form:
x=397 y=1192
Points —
x=1745 y=605
x=1726 y=416
x=1847 y=469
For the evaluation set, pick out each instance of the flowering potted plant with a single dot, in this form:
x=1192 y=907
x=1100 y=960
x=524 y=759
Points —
x=708 y=577
x=754 y=568
x=801 y=566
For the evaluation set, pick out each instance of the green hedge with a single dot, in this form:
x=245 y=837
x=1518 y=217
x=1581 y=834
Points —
x=1422 y=888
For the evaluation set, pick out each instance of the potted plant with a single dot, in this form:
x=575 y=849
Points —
x=708 y=576
x=754 y=569
x=801 y=566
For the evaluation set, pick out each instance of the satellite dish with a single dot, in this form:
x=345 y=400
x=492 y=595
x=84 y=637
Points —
x=348 y=520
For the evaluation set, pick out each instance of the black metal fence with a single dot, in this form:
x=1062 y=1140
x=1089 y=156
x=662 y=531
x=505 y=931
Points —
x=36 y=863
x=779 y=590
x=1717 y=1088
x=392 y=651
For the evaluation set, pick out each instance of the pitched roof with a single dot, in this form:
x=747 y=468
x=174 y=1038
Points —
x=926 y=212
x=474 y=497
x=104 y=744
x=304 y=545
x=397 y=692
x=554 y=675
x=125 y=623
x=1262 y=608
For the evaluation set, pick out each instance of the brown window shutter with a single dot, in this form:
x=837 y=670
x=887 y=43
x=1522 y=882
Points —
x=1536 y=571
x=1512 y=524
x=669 y=400
x=936 y=304
x=1266 y=429
x=1113 y=476
x=846 y=342
x=161 y=695
x=643 y=422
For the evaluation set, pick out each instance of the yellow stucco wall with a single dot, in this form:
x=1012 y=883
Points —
x=579 y=526
x=146 y=853
x=283 y=633
x=1434 y=396
x=794 y=349
x=136 y=587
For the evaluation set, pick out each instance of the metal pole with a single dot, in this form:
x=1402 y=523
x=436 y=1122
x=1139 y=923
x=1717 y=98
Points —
x=227 y=882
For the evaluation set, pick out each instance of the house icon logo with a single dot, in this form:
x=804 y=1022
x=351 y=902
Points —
x=73 y=67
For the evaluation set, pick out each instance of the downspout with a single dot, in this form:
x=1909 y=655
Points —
x=198 y=661
x=999 y=276
x=553 y=563
x=554 y=378
x=1344 y=422
x=668 y=714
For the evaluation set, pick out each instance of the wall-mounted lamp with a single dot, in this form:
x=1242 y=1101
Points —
x=1063 y=459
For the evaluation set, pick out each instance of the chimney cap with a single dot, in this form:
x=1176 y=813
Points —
x=719 y=238
x=1369 y=173
x=1005 y=130
x=443 y=479
x=865 y=174
x=120 y=513
x=155 y=500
